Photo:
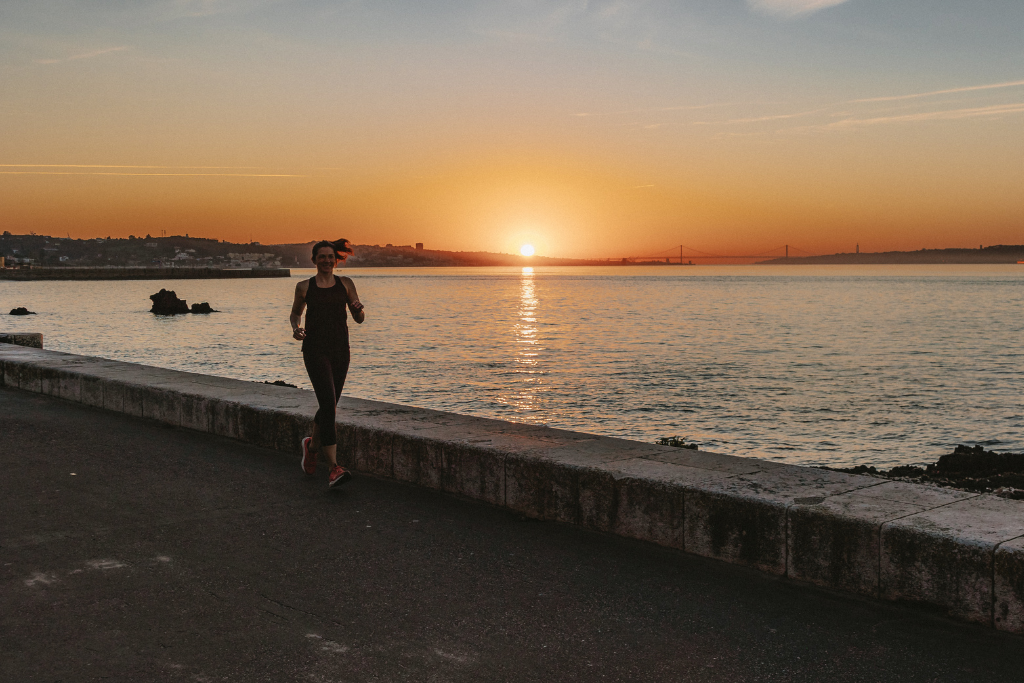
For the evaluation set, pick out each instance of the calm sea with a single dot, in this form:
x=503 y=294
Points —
x=831 y=365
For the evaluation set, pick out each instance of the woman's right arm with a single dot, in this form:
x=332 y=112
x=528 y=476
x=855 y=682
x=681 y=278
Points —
x=298 y=305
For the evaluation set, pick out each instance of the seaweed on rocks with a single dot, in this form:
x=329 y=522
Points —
x=677 y=442
x=967 y=468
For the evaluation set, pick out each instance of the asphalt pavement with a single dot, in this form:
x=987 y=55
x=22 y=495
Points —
x=131 y=551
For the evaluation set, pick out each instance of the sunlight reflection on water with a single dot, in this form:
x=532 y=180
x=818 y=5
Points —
x=841 y=365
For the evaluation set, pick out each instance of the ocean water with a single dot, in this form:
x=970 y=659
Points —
x=834 y=365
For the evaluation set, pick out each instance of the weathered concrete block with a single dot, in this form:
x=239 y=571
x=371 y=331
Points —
x=26 y=376
x=196 y=412
x=134 y=396
x=69 y=384
x=716 y=462
x=291 y=426
x=474 y=471
x=597 y=499
x=365 y=449
x=945 y=557
x=49 y=380
x=557 y=475
x=92 y=391
x=834 y=542
x=742 y=519
x=114 y=396
x=1009 y=586
x=418 y=460
x=649 y=499
x=257 y=425
x=162 y=404
x=542 y=488
x=224 y=418
x=29 y=339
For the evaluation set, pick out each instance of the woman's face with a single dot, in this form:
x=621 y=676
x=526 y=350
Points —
x=325 y=259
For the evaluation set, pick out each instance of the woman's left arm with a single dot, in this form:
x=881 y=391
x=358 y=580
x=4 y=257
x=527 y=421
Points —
x=354 y=305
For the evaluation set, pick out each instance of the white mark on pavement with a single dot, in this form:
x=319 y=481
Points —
x=331 y=646
x=313 y=635
x=162 y=558
x=105 y=564
x=39 y=577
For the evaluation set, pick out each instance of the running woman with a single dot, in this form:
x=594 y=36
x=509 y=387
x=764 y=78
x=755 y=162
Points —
x=325 y=350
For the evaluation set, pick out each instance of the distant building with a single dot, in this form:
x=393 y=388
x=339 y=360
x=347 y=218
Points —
x=419 y=246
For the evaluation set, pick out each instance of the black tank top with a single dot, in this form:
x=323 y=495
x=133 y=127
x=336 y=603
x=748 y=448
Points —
x=326 y=326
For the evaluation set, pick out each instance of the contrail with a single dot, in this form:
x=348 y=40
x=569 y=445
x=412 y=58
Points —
x=120 y=166
x=230 y=175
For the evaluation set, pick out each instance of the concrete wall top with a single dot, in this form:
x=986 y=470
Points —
x=963 y=552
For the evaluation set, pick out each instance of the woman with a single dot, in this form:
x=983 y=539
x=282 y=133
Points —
x=325 y=350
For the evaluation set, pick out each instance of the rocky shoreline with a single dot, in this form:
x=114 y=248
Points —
x=966 y=468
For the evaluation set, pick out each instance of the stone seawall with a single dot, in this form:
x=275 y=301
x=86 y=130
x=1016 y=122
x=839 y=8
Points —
x=962 y=553
x=33 y=339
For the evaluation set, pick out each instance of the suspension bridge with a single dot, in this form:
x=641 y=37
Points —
x=684 y=255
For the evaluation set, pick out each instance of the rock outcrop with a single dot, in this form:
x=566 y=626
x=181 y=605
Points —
x=21 y=310
x=166 y=302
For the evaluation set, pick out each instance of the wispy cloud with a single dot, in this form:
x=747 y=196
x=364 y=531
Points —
x=943 y=115
x=792 y=8
x=759 y=119
x=235 y=175
x=120 y=166
x=970 y=88
x=655 y=110
x=147 y=170
x=85 y=55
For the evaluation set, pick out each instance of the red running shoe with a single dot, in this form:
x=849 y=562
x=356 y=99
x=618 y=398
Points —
x=339 y=475
x=308 y=456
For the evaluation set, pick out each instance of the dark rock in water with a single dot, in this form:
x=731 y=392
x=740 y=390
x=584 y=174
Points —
x=202 y=308
x=167 y=303
x=280 y=383
x=21 y=310
x=966 y=468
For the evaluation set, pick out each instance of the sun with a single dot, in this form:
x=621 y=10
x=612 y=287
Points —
x=526 y=250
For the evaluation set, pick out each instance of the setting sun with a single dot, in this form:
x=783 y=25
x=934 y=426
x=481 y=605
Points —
x=526 y=250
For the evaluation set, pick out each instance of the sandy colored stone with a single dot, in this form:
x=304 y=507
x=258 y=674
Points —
x=944 y=556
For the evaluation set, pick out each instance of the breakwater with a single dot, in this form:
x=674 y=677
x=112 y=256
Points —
x=957 y=551
x=23 y=274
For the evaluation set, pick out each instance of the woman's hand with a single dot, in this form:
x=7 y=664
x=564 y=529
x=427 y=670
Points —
x=299 y=333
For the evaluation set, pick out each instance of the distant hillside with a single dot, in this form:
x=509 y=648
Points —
x=1001 y=253
x=185 y=251
x=376 y=256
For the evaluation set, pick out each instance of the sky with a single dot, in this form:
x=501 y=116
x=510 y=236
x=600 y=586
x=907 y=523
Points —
x=587 y=128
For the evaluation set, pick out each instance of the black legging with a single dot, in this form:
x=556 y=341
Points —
x=327 y=371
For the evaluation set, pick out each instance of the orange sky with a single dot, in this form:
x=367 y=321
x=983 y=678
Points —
x=588 y=129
